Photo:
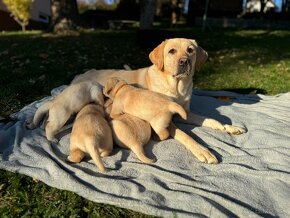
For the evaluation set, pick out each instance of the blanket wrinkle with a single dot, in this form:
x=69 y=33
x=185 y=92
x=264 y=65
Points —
x=251 y=180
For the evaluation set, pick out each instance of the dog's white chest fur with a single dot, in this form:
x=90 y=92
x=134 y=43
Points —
x=180 y=90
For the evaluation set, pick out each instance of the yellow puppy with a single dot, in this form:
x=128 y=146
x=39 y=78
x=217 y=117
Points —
x=91 y=134
x=70 y=101
x=155 y=108
x=130 y=132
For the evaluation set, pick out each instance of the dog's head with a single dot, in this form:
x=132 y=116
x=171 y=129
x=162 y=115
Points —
x=113 y=85
x=178 y=57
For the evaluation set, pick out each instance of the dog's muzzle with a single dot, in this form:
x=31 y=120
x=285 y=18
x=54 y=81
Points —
x=183 y=69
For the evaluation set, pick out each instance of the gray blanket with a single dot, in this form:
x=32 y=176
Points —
x=252 y=179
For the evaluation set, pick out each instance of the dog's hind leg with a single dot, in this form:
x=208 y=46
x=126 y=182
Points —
x=56 y=120
x=160 y=124
x=75 y=155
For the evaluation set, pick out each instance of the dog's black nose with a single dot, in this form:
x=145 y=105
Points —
x=183 y=61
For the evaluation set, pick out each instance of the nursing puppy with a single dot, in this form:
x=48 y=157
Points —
x=155 y=108
x=70 y=101
x=130 y=132
x=91 y=134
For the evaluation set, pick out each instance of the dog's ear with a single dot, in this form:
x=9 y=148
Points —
x=201 y=56
x=156 y=56
x=109 y=87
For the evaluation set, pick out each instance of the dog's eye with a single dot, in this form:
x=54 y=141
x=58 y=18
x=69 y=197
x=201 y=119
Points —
x=189 y=50
x=172 y=51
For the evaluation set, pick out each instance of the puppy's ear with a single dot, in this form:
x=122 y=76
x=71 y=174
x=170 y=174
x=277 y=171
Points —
x=99 y=92
x=108 y=107
x=109 y=87
x=156 y=56
x=100 y=98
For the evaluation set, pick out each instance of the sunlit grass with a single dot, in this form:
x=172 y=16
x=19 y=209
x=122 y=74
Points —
x=20 y=33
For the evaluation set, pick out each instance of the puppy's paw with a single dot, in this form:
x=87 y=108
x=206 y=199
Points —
x=73 y=159
x=206 y=156
x=234 y=130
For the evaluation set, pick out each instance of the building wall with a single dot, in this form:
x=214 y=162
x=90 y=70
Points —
x=40 y=9
x=40 y=15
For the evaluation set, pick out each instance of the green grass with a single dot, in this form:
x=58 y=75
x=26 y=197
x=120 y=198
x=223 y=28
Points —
x=33 y=63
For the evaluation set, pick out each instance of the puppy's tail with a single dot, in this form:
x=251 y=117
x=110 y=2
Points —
x=139 y=151
x=39 y=114
x=177 y=109
x=95 y=155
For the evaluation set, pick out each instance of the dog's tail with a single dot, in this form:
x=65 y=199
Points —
x=139 y=151
x=39 y=114
x=95 y=155
x=176 y=108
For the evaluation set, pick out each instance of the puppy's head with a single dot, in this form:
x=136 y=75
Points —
x=178 y=57
x=113 y=85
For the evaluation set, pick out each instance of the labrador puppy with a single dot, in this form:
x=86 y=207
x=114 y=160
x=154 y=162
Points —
x=130 y=132
x=175 y=62
x=70 y=101
x=155 y=108
x=91 y=134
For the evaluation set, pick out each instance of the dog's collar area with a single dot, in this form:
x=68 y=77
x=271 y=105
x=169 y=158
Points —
x=120 y=87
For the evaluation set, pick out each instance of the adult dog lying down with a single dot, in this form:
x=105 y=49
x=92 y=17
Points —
x=174 y=63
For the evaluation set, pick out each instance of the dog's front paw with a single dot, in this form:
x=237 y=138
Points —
x=234 y=130
x=206 y=156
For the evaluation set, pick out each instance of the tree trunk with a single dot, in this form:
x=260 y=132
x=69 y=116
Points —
x=64 y=15
x=190 y=20
x=147 y=8
x=23 y=26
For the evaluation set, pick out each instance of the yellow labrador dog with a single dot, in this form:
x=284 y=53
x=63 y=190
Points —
x=91 y=134
x=174 y=64
x=70 y=101
x=153 y=107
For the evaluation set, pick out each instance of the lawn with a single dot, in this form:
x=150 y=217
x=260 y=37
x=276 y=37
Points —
x=245 y=61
